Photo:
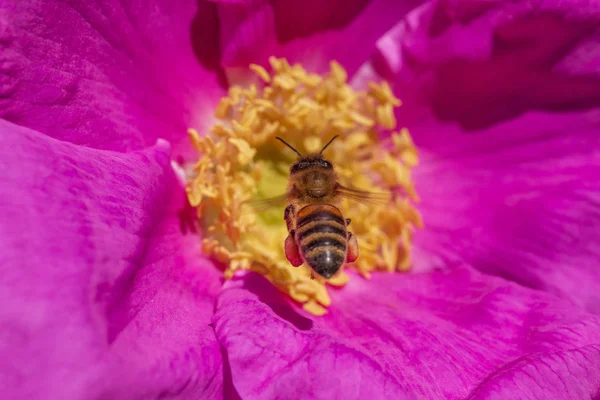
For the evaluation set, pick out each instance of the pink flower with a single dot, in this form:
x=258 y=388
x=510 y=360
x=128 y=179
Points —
x=104 y=296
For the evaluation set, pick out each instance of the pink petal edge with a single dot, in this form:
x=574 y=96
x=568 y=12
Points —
x=129 y=76
x=452 y=334
x=503 y=102
x=312 y=32
x=104 y=297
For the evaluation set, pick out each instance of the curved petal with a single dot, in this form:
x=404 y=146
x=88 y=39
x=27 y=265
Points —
x=493 y=61
x=312 y=32
x=111 y=75
x=503 y=100
x=102 y=296
x=519 y=200
x=451 y=334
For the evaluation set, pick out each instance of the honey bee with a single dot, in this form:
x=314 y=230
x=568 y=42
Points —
x=318 y=233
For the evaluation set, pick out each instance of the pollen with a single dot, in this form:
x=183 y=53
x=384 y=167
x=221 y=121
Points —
x=240 y=163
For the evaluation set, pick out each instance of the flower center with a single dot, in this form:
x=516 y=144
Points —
x=241 y=161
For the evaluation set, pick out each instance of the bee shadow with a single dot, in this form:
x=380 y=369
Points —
x=269 y=295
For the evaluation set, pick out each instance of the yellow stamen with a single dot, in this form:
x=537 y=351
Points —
x=261 y=72
x=241 y=161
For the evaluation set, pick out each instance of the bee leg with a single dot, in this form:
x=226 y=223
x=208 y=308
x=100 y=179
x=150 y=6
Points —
x=312 y=275
x=291 y=251
x=289 y=215
x=348 y=220
x=352 y=248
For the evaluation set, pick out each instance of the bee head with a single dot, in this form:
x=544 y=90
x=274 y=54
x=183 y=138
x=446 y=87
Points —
x=311 y=160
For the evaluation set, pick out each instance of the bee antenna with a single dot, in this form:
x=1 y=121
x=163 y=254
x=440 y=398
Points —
x=288 y=145
x=328 y=143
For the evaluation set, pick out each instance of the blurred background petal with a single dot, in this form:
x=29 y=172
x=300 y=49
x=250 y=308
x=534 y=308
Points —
x=450 y=334
x=103 y=296
x=503 y=102
x=519 y=200
x=111 y=75
x=313 y=32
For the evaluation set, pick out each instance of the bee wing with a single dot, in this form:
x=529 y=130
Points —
x=362 y=196
x=261 y=205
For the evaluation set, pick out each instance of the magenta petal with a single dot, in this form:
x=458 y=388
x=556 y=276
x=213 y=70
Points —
x=480 y=63
x=102 y=296
x=312 y=32
x=519 y=200
x=503 y=101
x=440 y=335
x=116 y=75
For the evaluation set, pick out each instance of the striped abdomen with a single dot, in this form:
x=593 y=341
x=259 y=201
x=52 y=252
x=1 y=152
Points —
x=321 y=237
